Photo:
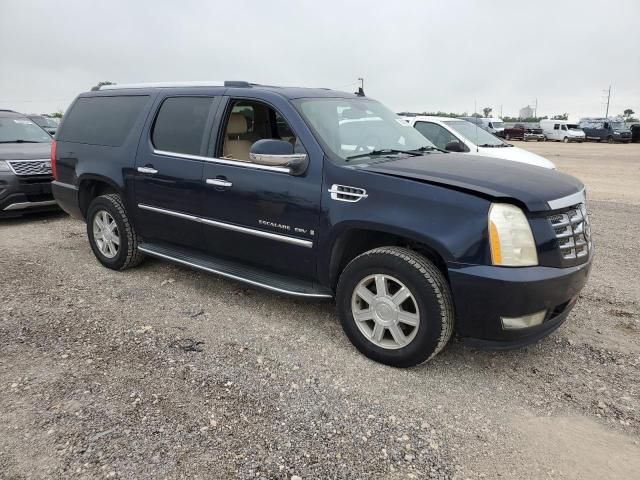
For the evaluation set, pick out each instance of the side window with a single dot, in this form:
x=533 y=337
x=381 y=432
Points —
x=556 y=126
x=180 y=124
x=102 y=120
x=250 y=121
x=436 y=134
x=564 y=127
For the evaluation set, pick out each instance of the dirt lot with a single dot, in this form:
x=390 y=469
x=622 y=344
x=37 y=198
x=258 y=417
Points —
x=163 y=372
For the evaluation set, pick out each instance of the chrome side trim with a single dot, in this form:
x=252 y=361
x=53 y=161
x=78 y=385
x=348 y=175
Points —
x=205 y=83
x=568 y=201
x=173 y=213
x=229 y=275
x=345 y=193
x=64 y=185
x=24 y=205
x=224 y=161
x=229 y=226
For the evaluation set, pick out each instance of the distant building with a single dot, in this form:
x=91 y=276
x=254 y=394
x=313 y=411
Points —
x=526 y=112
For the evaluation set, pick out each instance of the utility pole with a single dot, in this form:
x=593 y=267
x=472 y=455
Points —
x=500 y=111
x=608 y=99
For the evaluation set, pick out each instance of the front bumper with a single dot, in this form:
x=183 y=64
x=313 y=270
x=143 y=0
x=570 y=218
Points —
x=20 y=195
x=484 y=294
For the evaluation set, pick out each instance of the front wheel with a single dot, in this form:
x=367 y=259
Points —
x=112 y=236
x=609 y=139
x=395 y=306
x=565 y=140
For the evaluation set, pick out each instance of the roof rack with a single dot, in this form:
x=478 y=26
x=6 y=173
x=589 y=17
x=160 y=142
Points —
x=203 y=83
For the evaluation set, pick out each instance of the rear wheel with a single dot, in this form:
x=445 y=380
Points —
x=609 y=139
x=507 y=137
x=565 y=140
x=395 y=306
x=112 y=236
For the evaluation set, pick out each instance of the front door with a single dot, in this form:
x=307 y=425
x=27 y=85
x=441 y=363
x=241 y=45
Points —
x=168 y=174
x=257 y=214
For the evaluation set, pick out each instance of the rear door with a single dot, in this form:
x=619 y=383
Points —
x=169 y=166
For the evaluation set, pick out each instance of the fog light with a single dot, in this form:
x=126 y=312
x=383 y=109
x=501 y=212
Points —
x=525 y=321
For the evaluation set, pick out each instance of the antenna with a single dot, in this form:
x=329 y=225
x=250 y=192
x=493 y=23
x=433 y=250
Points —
x=475 y=110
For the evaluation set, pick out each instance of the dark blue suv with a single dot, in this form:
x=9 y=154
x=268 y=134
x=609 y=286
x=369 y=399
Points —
x=318 y=193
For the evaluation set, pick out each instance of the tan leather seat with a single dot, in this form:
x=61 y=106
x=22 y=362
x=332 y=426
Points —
x=235 y=147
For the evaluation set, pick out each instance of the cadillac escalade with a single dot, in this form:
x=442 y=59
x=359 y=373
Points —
x=323 y=194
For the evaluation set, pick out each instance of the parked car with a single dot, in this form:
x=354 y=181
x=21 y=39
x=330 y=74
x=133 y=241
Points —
x=25 y=166
x=491 y=125
x=605 y=129
x=48 y=124
x=521 y=132
x=412 y=243
x=562 y=131
x=456 y=135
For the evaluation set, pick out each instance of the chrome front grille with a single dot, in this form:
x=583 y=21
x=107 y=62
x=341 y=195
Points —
x=573 y=232
x=30 y=167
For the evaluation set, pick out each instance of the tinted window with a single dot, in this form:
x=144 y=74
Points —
x=102 y=120
x=179 y=126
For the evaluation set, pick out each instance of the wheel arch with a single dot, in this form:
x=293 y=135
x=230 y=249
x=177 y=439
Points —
x=92 y=186
x=354 y=240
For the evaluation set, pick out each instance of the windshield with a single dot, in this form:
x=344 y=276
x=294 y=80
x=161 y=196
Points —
x=618 y=126
x=17 y=130
x=572 y=126
x=498 y=124
x=351 y=127
x=474 y=133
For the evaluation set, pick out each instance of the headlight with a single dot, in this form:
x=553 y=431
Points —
x=4 y=166
x=510 y=237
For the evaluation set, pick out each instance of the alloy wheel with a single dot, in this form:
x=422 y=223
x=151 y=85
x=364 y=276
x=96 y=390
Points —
x=385 y=311
x=106 y=234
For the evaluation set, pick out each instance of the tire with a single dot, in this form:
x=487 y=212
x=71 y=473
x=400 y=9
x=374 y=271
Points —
x=429 y=294
x=609 y=139
x=507 y=137
x=565 y=140
x=126 y=255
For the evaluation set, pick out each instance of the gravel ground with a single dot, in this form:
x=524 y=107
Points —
x=163 y=372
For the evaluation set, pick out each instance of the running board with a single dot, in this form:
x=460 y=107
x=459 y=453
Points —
x=236 y=271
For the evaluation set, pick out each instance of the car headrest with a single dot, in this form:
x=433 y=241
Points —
x=237 y=124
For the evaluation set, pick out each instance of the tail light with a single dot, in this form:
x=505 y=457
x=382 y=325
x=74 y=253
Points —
x=54 y=166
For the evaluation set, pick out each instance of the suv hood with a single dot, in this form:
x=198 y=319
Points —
x=24 y=151
x=530 y=185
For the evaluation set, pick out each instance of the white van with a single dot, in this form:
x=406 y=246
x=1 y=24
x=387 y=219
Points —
x=457 y=135
x=562 y=131
x=491 y=125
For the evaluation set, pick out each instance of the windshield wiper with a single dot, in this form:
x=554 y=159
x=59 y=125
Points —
x=19 y=141
x=385 y=151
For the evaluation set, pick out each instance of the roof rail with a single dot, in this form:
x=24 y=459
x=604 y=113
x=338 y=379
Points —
x=202 y=83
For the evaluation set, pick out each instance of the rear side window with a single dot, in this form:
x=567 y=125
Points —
x=102 y=120
x=180 y=124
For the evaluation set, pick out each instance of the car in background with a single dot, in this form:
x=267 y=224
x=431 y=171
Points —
x=457 y=135
x=521 y=132
x=48 y=124
x=491 y=125
x=611 y=130
x=25 y=166
x=562 y=131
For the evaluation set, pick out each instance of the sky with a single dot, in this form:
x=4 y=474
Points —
x=422 y=55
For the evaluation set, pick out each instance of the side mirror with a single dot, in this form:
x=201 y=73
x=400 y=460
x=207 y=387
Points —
x=278 y=153
x=454 y=147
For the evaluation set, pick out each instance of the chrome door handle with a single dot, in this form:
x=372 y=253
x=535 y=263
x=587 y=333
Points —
x=147 y=170
x=218 y=182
